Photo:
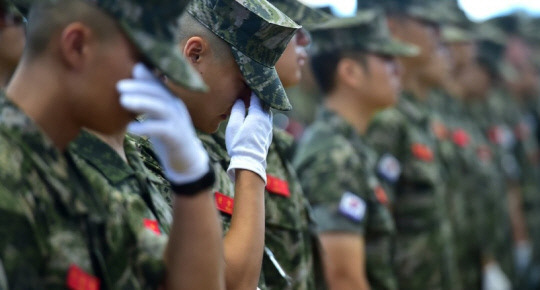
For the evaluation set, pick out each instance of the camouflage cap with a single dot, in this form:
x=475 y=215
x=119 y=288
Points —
x=257 y=33
x=367 y=31
x=456 y=34
x=300 y=13
x=426 y=10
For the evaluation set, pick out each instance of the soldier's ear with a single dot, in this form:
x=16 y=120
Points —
x=75 y=44
x=350 y=73
x=195 y=49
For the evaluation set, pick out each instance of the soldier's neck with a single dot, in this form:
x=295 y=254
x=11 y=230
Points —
x=115 y=141
x=413 y=84
x=40 y=95
x=350 y=109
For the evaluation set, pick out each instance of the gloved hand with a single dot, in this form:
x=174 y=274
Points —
x=494 y=278
x=248 y=137
x=167 y=124
x=522 y=256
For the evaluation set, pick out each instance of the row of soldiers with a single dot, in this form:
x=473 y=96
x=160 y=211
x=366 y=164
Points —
x=419 y=172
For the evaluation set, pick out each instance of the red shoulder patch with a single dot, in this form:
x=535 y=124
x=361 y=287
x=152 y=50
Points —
x=152 y=225
x=224 y=203
x=422 y=152
x=277 y=186
x=77 y=279
x=380 y=194
x=461 y=138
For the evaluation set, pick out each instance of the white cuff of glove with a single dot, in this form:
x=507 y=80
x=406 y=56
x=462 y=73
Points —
x=242 y=162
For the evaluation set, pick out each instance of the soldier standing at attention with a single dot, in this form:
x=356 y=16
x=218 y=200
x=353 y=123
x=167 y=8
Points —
x=83 y=61
x=354 y=63
x=424 y=254
x=289 y=231
x=11 y=39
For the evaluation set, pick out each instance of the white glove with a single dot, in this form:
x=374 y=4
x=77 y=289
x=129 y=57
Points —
x=167 y=124
x=494 y=278
x=522 y=256
x=248 y=137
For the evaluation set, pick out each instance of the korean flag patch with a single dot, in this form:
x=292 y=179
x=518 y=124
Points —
x=389 y=168
x=352 y=206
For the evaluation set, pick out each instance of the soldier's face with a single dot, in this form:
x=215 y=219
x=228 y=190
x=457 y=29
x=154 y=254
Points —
x=462 y=54
x=423 y=34
x=289 y=66
x=382 y=84
x=111 y=61
x=226 y=84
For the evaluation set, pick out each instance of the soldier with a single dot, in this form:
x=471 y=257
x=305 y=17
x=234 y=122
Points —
x=424 y=256
x=83 y=62
x=234 y=46
x=353 y=61
x=11 y=39
x=289 y=231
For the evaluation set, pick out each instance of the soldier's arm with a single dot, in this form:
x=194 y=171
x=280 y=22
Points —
x=344 y=260
x=194 y=252
x=244 y=242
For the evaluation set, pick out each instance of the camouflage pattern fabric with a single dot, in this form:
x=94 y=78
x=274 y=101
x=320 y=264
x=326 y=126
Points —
x=334 y=161
x=424 y=250
x=300 y=13
x=289 y=230
x=64 y=227
x=93 y=156
x=258 y=33
x=367 y=31
x=495 y=230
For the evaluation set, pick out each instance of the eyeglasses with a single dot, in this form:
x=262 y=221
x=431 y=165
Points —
x=11 y=19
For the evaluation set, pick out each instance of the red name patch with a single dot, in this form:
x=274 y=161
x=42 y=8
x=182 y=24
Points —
x=77 y=279
x=461 y=138
x=439 y=130
x=152 y=225
x=224 y=203
x=380 y=194
x=277 y=186
x=422 y=152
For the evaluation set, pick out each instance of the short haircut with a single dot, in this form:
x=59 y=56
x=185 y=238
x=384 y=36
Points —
x=46 y=19
x=324 y=66
x=190 y=27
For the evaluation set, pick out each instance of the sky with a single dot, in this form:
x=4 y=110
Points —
x=476 y=9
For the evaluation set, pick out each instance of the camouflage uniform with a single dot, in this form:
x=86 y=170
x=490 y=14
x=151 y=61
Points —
x=94 y=157
x=345 y=152
x=64 y=226
x=288 y=257
x=456 y=149
x=68 y=227
x=424 y=251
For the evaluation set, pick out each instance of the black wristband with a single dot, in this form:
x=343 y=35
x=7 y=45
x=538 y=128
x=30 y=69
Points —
x=192 y=188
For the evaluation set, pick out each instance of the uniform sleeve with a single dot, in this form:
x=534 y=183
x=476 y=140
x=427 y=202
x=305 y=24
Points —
x=20 y=255
x=330 y=177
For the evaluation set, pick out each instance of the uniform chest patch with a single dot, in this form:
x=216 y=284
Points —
x=439 y=130
x=77 y=279
x=461 y=138
x=277 y=186
x=224 y=203
x=152 y=225
x=484 y=153
x=352 y=206
x=389 y=168
x=422 y=152
x=380 y=194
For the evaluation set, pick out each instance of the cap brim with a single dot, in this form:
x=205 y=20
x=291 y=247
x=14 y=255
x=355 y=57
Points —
x=166 y=57
x=263 y=81
x=394 y=48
